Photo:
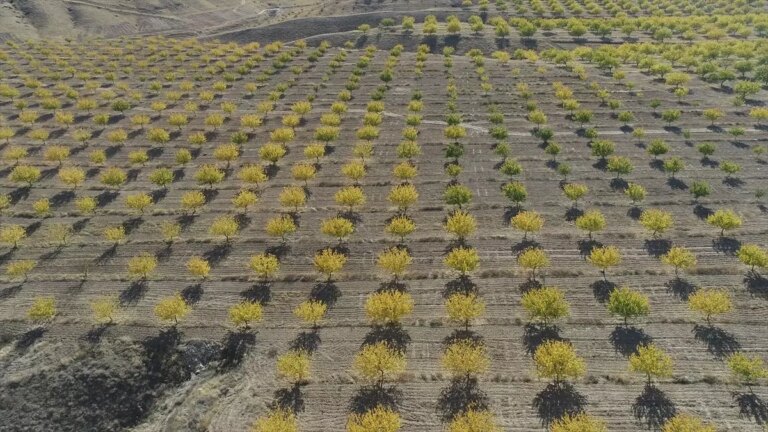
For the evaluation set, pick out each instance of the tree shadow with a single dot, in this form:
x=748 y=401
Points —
x=525 y=244
x=234 y=347
x=243 y=220
x=573 y=213
x=653 y=407
x=461 y=335
x=192 y=294
x=158 y=195
x=218 y=254
x=162 y=357
x=290 y=399
x=535 y=334
x=279 y=251
x=19 y=194
x=134 y=293
x=702 y=212
x=657 y=247
x=733 y=182
x=369 y=397
x=132 y=225
x=681 y=288
x=185 y=221
x=393 y=334
x=528 y=285
x=28 y=338
x=751 y=407
x=626 y=339
x=602 y=290
x=726 y=245
x=756 y=284
x=258 y=293
x=462 y=394
x=61 y=198
x=586 y=245
x=676 y=184
x=557 y=400
x=634 y=212
x=460 y=285
x=709 y=163
x=326 y=292
x=392 y=285
x=510 y=212
x=720 y=343
x=107 y=254
x=105 y=198
x=619 y=184
x=306 y=341
x=10 y=291
x=96 y=334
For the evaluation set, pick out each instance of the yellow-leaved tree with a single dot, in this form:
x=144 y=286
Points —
x=378 y=419
x=379 y=362
x=388 y=307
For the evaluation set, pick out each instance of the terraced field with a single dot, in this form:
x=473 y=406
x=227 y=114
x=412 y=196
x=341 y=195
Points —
x=187 y=153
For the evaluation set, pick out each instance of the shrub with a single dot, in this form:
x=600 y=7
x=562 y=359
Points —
x=192 y=200
x=25 y=174
x=580 y=422
x=209 y=175
x=244 y=313
x=462 y=260
x=515 y=192
x=328 y=262
x=472 y=420
x=311 y=312
x=380 y=419
x=265 y=265
x=628 y=304
x=558 y=360
x=378 y=362
x=138 y=201
x=225 y=226
x=337 y=227
x=465 y=358
x=388 y=307
x=72 y=176
x=294 y=366
x=401 y=226
x=355 y=171
x=709 y=302
x=575 y=191
x=350 y=196
x=679 y=258
x=20 y=268
x=198 y=267
x=172 y=308
x=252 y=174
x=104 y=309
x=533 y=259
x=655 y=220
x=684 y=423
x=463 y=308
x=545 y=304
x=43 y=309
x=142 y=266
x=725 y=219
x=113 y=177
x=403 y=196
x=114 y=234
x=528 y=222
x=745 y=368
x=651 y=361
x=604 y=257
x=277 y=420
x=591 y=221
x=395 y=261
x=749 y=254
